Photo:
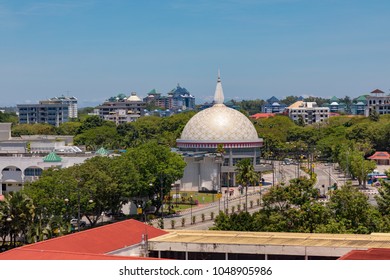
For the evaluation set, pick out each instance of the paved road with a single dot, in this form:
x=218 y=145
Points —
x=327 y=175
x=283 y=173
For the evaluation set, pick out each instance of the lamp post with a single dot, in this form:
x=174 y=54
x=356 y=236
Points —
x=170 y=198
x=79 y=210
x=177 y=193
x=191 y=207
x=66 y=205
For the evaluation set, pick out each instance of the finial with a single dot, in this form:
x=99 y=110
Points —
x=218 y=97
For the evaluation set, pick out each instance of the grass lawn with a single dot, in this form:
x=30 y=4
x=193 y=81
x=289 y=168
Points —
x=202 y=198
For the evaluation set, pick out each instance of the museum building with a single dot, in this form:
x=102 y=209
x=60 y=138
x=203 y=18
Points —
x=213 y=141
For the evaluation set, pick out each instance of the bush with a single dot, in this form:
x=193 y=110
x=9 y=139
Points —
x=183 y=222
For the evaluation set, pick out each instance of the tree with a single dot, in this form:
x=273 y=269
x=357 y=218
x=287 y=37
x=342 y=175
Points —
x=33 y=129
x=351 y=208
x=374 y=116
x=16 y=215
x=68 y=128
x=102 y=136
x=300 y=121
x=158 y=169
x=289 y=100
x=383 y=198
x=246 y=175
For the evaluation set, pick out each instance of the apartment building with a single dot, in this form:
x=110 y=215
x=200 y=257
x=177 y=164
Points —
x=309 y=111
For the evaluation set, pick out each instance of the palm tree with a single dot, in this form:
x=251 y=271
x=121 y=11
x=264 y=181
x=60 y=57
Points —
x=246 y=175
x=18 y=211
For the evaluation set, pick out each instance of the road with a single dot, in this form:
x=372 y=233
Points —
x=283 y=173
x=327 y=175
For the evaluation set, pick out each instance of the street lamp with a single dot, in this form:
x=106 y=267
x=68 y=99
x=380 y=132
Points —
x=66 y=200
x=191 y=207
x=170 y=198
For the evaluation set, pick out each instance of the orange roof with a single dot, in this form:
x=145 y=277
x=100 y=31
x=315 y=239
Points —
x=370 y=254
x=380 y=155
x=22 y=253
x=100 y=240
x=262 y=115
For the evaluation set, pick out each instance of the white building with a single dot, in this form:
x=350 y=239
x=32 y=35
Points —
x=121 y=109
x=218 y=127
x=378 y=102
x=309 y=111
x=120 y=116
x=20 y=168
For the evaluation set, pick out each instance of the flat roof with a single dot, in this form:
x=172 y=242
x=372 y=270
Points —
x=374 y=240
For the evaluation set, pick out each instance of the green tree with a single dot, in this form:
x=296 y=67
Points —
x=17 y=215
x=68 y=128
x=245 y=176
x=158 y=169
x=8 y=117
x=33 y=129
x=374 y=116
x=351 y=208
x=383 y=198
x=102 y=136
x=289 y=100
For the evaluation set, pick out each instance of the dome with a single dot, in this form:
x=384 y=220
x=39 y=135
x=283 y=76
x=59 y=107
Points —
x=133 y=97
x=334 y=104
x=219 y=125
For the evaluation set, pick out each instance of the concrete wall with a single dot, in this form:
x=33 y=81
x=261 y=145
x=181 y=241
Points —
x=200 y=175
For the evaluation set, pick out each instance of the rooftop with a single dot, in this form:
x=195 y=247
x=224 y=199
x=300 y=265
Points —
x=374 y=240
x=96 y=243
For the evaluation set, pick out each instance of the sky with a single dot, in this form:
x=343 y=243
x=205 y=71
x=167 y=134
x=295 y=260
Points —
x=95 y=49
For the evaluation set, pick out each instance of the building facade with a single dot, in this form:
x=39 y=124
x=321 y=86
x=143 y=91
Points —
x=378 y=101
x=308 y=111
x=178 y=98
x=273 y=105
x=121 y=108
x=54 y=111
x=212 y=143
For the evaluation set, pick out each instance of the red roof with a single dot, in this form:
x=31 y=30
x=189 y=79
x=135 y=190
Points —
x=377 y=91
x=262 y=115
x=380 y=155
x=370 y=254
x=100 y=240
x=32 y=254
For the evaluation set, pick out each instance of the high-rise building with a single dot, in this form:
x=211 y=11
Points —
x=54 y=111
x=121 y=108
x=70 y=101
x=178 y=98
x=308 y=111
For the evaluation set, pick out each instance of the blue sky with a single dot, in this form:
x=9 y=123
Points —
x=94 y=49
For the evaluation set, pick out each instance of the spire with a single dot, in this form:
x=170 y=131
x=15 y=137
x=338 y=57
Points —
x=218 y=97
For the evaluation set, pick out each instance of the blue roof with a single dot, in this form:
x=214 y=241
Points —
x=179 y=90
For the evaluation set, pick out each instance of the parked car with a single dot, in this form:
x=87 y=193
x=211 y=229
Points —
x=74 y=222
